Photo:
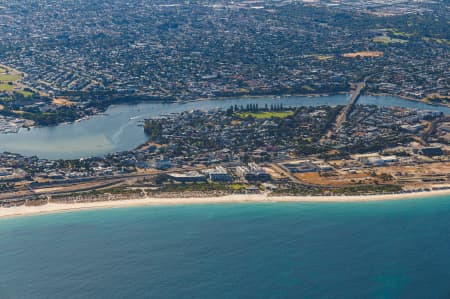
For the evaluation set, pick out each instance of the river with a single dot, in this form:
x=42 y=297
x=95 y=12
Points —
x=117 y=129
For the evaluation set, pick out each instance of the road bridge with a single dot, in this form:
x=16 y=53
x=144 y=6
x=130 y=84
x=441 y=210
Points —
x=343 y=115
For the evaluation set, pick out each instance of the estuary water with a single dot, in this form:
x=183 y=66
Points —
x=389 y=249
x=118 y=130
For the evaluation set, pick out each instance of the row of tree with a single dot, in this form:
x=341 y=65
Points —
x=256 y=108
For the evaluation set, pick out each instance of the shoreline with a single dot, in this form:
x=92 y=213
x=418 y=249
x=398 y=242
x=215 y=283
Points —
x=273 y=96
x=378 y=94
x=244 y=97
x=52 y=208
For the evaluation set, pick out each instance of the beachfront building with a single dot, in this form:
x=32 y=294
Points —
x=252 y=172
x=218 y=174
x=188 y=177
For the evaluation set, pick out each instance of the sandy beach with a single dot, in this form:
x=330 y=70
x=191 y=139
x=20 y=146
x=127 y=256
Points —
x=255 y=198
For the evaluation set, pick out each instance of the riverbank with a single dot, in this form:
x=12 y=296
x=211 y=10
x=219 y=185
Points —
x=101 y=110
x=119 y=131
x=265 y=96
x=253 y=198
x=404 y=97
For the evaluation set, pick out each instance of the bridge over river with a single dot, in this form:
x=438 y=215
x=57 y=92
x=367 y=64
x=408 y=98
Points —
x=342 y=117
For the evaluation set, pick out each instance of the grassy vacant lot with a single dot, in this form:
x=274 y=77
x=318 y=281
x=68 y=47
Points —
x=265 y=114
x=384 y=39
x=8 y=82
x=398 y=33
x=9 y=77
x=238 y=186
x=437 y=40
x=194 y=187
x=5 y=78
x=26 y=94
x=6 y=87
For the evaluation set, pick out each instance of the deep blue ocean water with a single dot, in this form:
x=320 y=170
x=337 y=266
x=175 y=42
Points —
x=391 y=249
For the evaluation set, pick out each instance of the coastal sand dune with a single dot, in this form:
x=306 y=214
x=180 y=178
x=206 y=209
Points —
x=66 y=207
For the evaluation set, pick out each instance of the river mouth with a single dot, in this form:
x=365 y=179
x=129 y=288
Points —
x=118 y=128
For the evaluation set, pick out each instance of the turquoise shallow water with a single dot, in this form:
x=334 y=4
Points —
x=396 y=249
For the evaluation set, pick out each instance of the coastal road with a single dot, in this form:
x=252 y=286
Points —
x=94 y=183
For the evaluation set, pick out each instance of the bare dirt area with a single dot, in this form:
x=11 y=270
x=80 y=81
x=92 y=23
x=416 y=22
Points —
x=62 y=102
x=338 y=178
x=363 y=54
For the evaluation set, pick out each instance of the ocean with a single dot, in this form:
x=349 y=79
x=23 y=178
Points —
x=388 y=249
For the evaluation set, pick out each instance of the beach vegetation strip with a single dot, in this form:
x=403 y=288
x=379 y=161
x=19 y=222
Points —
x=134 y=201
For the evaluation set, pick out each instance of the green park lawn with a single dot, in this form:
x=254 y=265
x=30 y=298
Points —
x=265 y=114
